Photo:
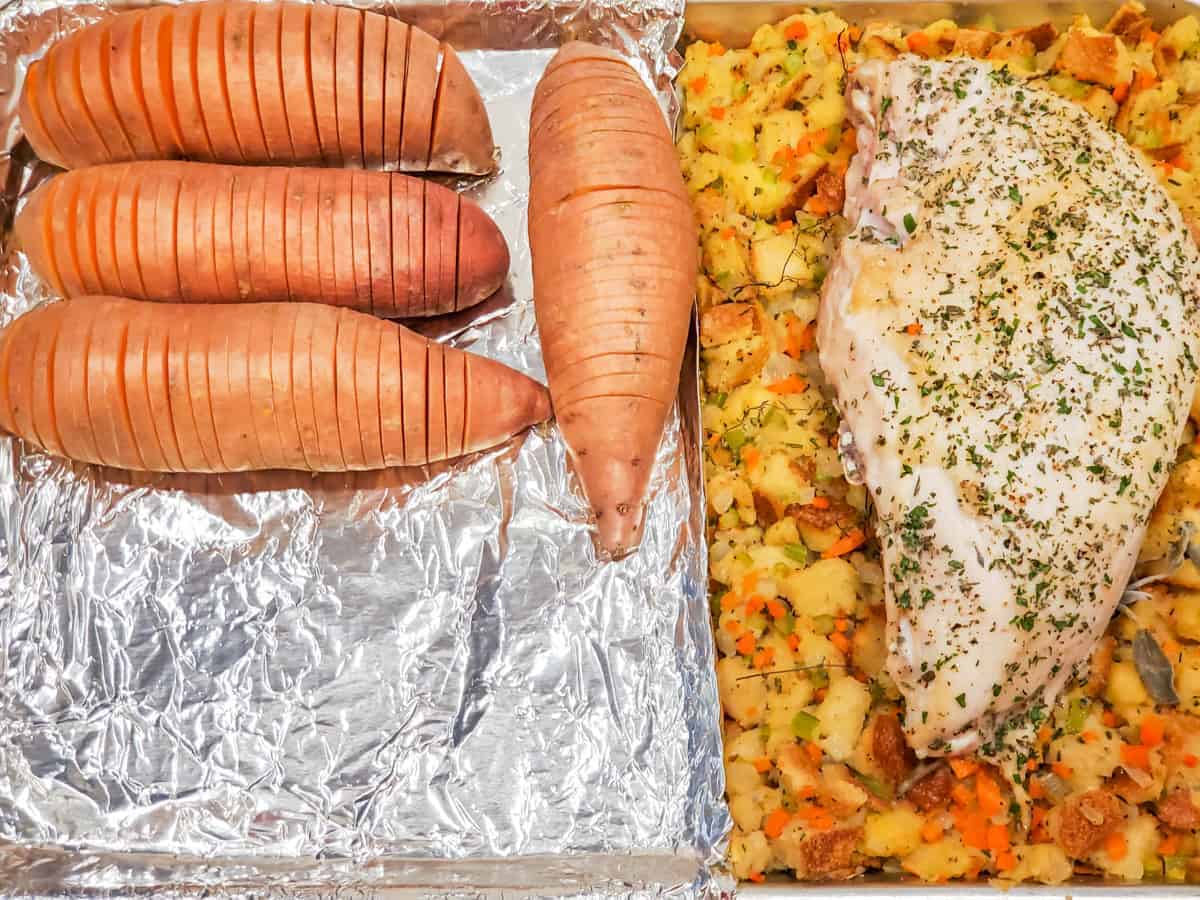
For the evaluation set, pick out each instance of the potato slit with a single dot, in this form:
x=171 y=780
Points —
x=135 y=72
x=208 y=393
x=72 y=223
x=466 y=429
x=89 y=224
x=458 y=230
x=112 y=285
x=379 y=391
x=50 y=363
x=428 y=390
x=440 y=70
x=312 y=100
x=362 y=116
x=292 y=389
x=86 y=391
x=77 y=72
x=407 y=460
x=126 y=418
x=105 y=76
x=174 y=249
x=194 y=72
x=50 y=245
x=404 y=94
x=52 y=88
x=253 y=80
x=166 y=79
x=37 y=71
x=337 y=402
x=283 y=90
x=145 y=376
x=223 y=84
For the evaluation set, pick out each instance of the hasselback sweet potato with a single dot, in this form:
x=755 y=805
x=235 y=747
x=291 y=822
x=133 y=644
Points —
x=614 y=266
x=235 y=81
x=204 y=233
x=174 y=388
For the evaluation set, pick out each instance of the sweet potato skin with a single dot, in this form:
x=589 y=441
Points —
x=204 y=81
x=170 y=387
x=614 y=261
x=208 y=233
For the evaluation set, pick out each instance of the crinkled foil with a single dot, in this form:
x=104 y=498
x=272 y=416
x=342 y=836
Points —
x=362 y=685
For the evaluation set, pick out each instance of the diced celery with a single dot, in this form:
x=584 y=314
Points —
x=805 y=726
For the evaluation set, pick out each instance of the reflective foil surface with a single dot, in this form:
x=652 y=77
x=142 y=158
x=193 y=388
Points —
x=371 y=684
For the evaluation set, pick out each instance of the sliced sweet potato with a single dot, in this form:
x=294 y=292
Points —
x=462 y=136
x=408 y=245
x=267 y=40
x=156 y=66
x=323 y=65
x=34 y=120
x=342 y=219
x=391 y=399
x=85 y=237
x=105 y=399
x=68 y=88
x=95 y=81
x=323 y=363
x=326 y=244
x=414 y=365
x=283 y=412
x=137 y=381
x=366 y=391
x=303 y=391
x=70 y=389
x=395 y=73
x=64 y=244
x=213 y=90
x=256 y=255
x=195 y=141
x=296 y=62
x=223 y=243
x=45 y=350
x=345 y=385
x=379 y=236
x=440 y=223
x=360 y=241
x=104 y=215
x=122 y=65
x=421 y=74
x=273 y=285
x=240 y=50
x=192 y=264
x=348 y=51
x=374 y=84
x=34 y=235
x=199 y=342
x=166 y=227
x=435 y=403
x=306 y=191
x=125 y=240
x=229 y=399
x=159 y=390
x=482 y=255
x=239 y=224
x=21 y=351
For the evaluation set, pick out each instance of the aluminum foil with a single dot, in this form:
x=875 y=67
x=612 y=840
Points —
x=370 y=684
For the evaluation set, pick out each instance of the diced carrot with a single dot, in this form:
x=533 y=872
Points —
x=816 y=816
x=913 y=329
x=749 y=582
x=1109 y=718
x=973 y=827
x=733 y=626
x=774 y=824
x=1146 y=79
x=717 y=112
x=816 y=205
x=793 y=642
x=997 y=838
x=797 y=31
x=808 y=337
x=1136 y=756
x=1121 y=91
x=961 y=795
x=793 y=384
x=1169 y=845
x=727 y=234
x=751 y=456
x=918 y=41
x=1152 y=731
x=757 y=877
x=776 y=609
x=764 y=658
x=1115 y=846
x=1151 y=37
x=991 y=801
x=762 y=765
x=814 y=751
x=1035 y=789
x=1062 y=770
x=755 y=604
x=1044 y=733
x=1089 y=737
x=789 y=170
x=820 y=503
x=1169 y=646
x=698 y=84
x=729 y=600
x=841 y=625
x=1178 y=161
x=964 y=768
x=782 y=155
x=1033 y=765
x=840 y=641
x=819 y=696
x=783 y=226
x=745 y=644
x=851 y=540
x=715 y=49
x=931 y=831
x=752 y=711
x=1190 y=760
x=1006 y=860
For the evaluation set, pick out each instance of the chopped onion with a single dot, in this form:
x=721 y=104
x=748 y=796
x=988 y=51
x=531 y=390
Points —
x=721 y=499
x=779 y=367
x=1140 y=777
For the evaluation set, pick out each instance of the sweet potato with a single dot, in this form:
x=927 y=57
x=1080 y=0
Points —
x=219 y=234
x=614 y=263
x=235 y=81
x=161 y=387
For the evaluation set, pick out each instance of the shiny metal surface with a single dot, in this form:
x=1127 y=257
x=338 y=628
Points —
x=366 y=685
x=733 y=22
